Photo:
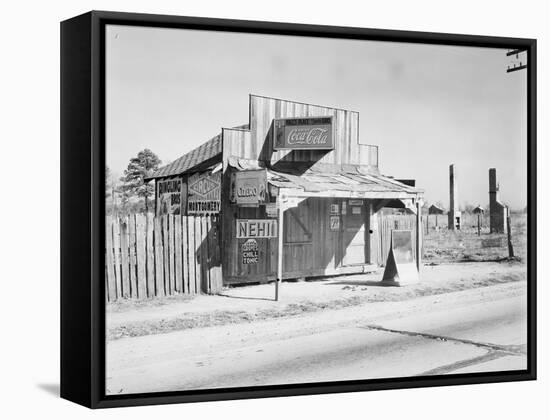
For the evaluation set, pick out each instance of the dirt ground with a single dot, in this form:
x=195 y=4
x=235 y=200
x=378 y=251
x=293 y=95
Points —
x=443 y=245
x=469 y=331
x=255 y=303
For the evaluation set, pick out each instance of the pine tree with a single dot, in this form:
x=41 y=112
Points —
x=139 y=168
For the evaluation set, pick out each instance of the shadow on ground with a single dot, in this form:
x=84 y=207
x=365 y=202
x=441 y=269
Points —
x=359 y=283
x=246 y=297
x=52 y=389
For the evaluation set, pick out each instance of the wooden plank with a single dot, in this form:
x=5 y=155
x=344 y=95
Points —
x=198 y=255
x=418 y=237
x=185 y=258
x=141 y=256
x=279 y=253
x=159 y=258
x=172 y=254
x=191 y=250
x=150 y=254
x=109 y=260
x=166 y=253
x=213 y=261
x=205 y=256
x=132 y=255
x=116 y=248
x=178 y=254
x=124 y=260
x=218 y=271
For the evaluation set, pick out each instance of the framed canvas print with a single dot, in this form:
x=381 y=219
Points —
x=255 y=209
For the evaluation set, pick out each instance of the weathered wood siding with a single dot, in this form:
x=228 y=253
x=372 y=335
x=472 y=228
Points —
x=321 y=251
x=310 y=247
x=347 y=149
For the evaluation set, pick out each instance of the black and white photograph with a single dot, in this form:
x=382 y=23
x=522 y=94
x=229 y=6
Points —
x=288 y=210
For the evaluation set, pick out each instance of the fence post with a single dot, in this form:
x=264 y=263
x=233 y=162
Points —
x=510 y=246
x=418 y=236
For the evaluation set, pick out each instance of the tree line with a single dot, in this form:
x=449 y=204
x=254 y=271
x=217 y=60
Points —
x=130 y=193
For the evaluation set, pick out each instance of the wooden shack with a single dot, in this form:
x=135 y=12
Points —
x=296 y=191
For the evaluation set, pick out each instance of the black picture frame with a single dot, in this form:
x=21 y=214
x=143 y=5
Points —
x=83 y=201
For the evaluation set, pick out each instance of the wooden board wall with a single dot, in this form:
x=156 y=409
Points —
x=257 y=142
x=347 y=149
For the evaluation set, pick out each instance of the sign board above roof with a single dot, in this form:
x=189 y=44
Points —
x=312 y=133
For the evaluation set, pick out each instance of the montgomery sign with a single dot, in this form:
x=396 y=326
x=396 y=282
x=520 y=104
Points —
x=314 y=133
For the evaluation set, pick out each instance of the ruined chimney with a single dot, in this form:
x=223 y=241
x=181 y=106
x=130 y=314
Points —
x=497 y=210
x=454 y=212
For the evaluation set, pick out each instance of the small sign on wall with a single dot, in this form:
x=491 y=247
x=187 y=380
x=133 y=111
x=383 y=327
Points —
x=204 y=193
x=250 y=252
x=271 y=210
x=334 y=222
x=334 y=209
x=249 y=188
x=169 y=196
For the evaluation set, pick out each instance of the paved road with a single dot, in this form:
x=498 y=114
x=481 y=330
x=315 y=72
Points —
x=469 y=331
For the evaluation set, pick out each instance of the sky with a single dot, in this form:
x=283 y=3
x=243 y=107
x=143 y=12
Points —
x=425 y=106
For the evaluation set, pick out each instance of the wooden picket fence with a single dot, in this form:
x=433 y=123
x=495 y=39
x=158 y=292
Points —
x=148 y=256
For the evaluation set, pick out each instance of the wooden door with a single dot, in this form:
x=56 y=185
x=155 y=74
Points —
x=353 y=233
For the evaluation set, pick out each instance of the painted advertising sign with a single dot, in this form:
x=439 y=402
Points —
x=312 y=133
x=249 y=187
x=169 y=196
x=334 y=222
x=256 y=228
x=250 y=252
x=204 y=193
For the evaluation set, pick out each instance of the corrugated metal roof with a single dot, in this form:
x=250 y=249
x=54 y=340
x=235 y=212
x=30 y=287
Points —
x=206 y=151
x=346 y=181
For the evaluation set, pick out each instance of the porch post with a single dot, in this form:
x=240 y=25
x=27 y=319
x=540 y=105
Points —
x=418 y=235
x=280 y=249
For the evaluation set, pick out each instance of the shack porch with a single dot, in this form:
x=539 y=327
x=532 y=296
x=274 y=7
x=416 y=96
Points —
x=326 y=222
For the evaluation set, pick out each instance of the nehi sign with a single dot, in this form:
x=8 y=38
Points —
x=313 y=133
x=256 y=228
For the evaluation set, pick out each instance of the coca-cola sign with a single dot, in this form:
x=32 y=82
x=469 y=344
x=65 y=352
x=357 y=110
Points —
x=315 y=133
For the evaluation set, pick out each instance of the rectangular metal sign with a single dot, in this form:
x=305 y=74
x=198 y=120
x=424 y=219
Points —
x=256 y=228
x=271 y=210
x=312 y=133
x=249 y=187
x=250 y=252
x=204 y=193
x=334 y=222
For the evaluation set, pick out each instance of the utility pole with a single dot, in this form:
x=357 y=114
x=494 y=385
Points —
x=520 y=61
